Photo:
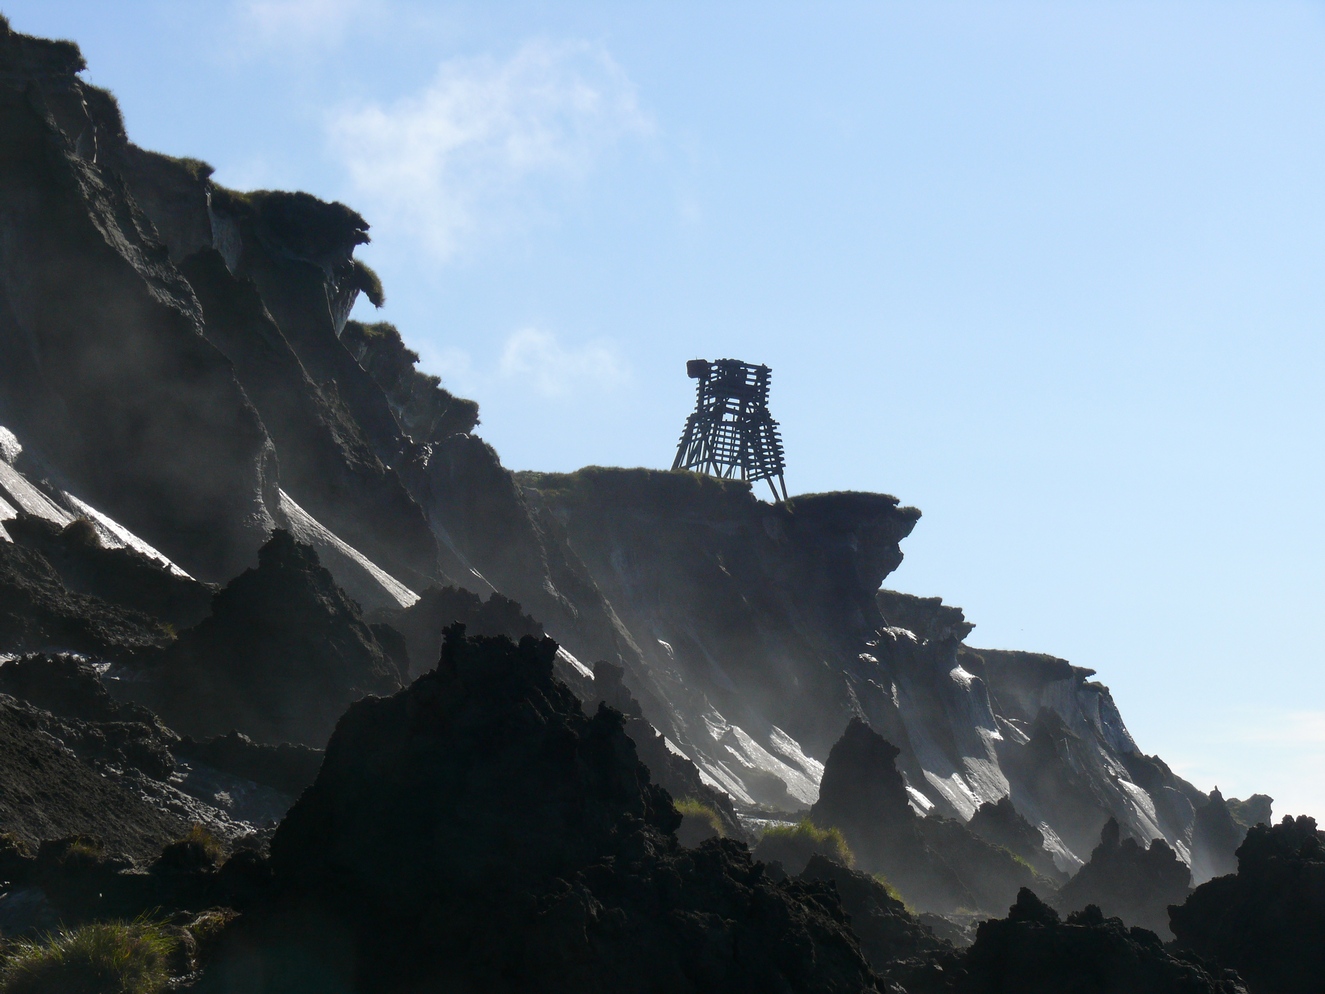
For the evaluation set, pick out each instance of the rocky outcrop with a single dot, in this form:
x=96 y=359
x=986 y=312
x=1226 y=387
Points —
x=1127 y=880
x=1215 y=839
x=478 y=831
x=1032 y=951
x=425 y=410
x=281 y=656
x=1267 y=921
x=936 y=863
x=1001 y=824
x=38 y=613
x=437 y=609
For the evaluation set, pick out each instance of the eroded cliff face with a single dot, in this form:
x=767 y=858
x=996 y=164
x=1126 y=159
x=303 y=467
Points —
x=180 y=376
x=762 y=632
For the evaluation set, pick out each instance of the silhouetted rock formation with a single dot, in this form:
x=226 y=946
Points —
x=1033 y=952
x=936 y=863
x=282 y=655
x=423 y=623
x=1002 y=825
x=1129 y=881
x=1268 y=921
x=895 y=944
x=477 y=831
x=1215 y=840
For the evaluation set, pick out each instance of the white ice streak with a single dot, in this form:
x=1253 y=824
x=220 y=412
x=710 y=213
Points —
x=356 y=574
x=114 y=534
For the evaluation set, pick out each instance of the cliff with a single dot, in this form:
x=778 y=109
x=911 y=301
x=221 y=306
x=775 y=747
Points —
x=253 y=515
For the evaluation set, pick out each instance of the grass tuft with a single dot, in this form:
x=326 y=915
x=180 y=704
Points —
x=691 y=807
x=793 y=845
x=101 y=958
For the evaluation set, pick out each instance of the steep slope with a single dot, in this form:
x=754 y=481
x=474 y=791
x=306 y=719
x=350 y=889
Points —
x=103 y=366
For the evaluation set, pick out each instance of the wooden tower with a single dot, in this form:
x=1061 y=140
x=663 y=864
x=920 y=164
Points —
x=731 y=430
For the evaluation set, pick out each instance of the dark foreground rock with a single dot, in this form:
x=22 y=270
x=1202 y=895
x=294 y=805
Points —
x=478 y=832
x=1131 y=881
x=282 y=655
x=1268 y=921
x=1032 y=951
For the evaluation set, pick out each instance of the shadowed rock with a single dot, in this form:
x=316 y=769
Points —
x=282 y=655
x=1130 y=881
x=1268 y=921
x=1032 y=952
x=936 y=863
x=479 y=832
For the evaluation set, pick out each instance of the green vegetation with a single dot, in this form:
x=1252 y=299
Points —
x=691 y=807
x=893 y=892
x=365 y=279
x=102 y=958
x=196 y=168
x=793 y=845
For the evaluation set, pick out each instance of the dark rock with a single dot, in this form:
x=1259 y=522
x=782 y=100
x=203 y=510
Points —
x=479 y=832
x=890 y=937
x=282 y=655
x=39 y=613
x=423 y=622
x=1001 y=824
x=1032 y=952
x=68 y=686
x=1130 y=881
x=1267 y=921
x=52 y=783
x=118 y=576
x=285 y=767
x=937 y=864
x=1215 y=840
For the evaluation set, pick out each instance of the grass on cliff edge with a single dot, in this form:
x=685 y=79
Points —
x=101 y=958
x=793 y=845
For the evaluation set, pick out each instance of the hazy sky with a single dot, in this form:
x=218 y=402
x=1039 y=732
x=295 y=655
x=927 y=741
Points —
x=1050 y=272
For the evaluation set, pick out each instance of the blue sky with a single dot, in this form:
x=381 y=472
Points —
x=1051 y=272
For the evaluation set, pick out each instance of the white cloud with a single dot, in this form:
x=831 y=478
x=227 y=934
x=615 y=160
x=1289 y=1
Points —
x=463 y=156
x=555 y=370
x=294 y=22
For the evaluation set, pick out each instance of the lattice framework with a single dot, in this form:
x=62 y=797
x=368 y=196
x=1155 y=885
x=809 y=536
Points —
x=731 y=430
